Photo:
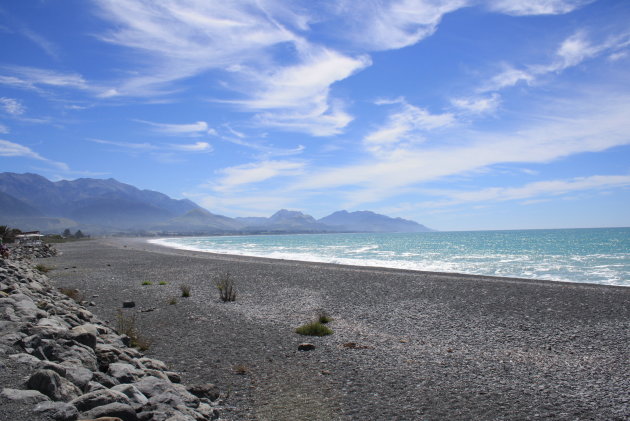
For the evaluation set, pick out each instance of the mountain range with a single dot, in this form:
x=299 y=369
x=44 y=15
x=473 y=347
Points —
x=105 y=206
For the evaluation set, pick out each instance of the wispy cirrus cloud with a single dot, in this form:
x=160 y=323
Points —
x=535 y=191
x=477 y=104
x=536 y=7
x=234 y=177
x=572 y=51
x=200 y=128
x=35 y=78
x=597 y=124
x=10 y=149
x=148 y=147
x=405 y=127
x=12 y=106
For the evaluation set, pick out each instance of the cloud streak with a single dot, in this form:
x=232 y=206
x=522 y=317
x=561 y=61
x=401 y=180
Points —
x=13 y=150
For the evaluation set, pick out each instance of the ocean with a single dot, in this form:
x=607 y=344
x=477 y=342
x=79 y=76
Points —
x=598 y=255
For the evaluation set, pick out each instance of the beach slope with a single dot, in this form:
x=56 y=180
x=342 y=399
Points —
x=406 y=345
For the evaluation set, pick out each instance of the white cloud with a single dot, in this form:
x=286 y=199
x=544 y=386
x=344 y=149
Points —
x=596 y=124
x=10 y=149
x=32 y=78
x=193 y=129
x=254 y=173
x=478 y=105
x=572 y=51
x=12 y=106
x=298 y=96
x=536 y=7
x=533 y=192
x=404 y=127
x=194 y=147
x=126 y=145
x=387 y=25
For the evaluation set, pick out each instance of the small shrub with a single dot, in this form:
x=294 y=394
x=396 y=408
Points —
x=172 y=301
x=314 y=329
x=324 y=317
x=225 y=285
x=185 y=290
x=43 y=268
x=75 y=294
x=147 y=283
x=240 y=369
x=163 y=283
x=126 y=325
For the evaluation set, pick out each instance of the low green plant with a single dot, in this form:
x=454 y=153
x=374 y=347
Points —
x=225 y=285
x=147 y=283
x=126 y=325
x=163 y=283
x=314 y=329
x=324 y=317
x=172 y=301
x=43 y=268
x=75 y=294
x=185 y=290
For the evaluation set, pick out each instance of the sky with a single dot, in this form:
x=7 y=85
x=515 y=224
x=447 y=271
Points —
x=458 y=114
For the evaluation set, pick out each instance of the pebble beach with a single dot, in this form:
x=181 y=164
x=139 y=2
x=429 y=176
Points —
x=407 y=345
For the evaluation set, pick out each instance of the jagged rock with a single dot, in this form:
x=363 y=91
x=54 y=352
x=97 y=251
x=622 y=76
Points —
x=136 y=397
x=173 y=376
x=60 y=411
x=306 y=347
x=26 y=396
x=124 y=373
x=116 y=409
x=79 y=376
x=207 y=391
x=99 y=398
x=85 y=334
x=104 y=379
x=24 y=358
x=53 y=385
x=153 y=364
x=129 y=304
x=49 y=365
x=152 y=386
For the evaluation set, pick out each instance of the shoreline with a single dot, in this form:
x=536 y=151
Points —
x=157 y=246
x=426 y=345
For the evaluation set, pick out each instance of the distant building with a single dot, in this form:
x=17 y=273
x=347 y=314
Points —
x=31 y=238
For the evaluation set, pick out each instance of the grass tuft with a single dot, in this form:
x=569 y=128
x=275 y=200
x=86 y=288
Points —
x=324 y=317
x=314 y=329
x=43 y=268
x=185 y=290
x=225 y=285
x=147 y=283
x=126 y=325
x=75 y=294
x=163 y=283
x=172 y=301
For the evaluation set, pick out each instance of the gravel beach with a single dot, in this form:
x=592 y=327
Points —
x=406 y=345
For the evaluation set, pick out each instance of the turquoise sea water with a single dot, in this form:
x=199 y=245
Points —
x=599 y=255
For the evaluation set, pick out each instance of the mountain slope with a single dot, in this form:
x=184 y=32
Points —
x=366 y=221
x=200 y=221
x=10 y=206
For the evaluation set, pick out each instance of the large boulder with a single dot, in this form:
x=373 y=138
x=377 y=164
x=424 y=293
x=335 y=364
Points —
x=116 y=409
x=53 y=385
x=99 y=398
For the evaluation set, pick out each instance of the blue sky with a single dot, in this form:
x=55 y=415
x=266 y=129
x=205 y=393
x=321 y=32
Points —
x=459 y=114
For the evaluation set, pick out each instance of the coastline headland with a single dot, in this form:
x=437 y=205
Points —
x=406 y=345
